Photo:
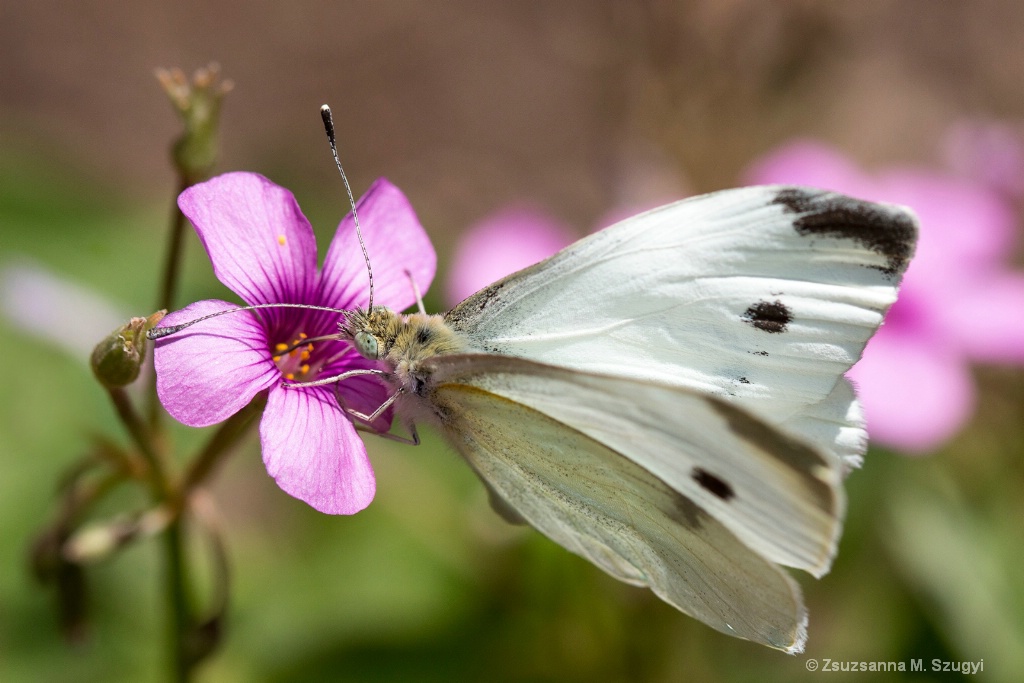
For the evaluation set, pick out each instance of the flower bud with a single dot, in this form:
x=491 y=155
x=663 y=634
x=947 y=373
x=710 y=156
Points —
x=198 y=103
x=99 y=540
x=116 y=360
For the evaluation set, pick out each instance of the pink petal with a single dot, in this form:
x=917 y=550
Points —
x=501 y=244
x=987 y=318
x=260 y=244
x=311 y=449
x=208 y=372
x=915 y=395
x=395 y=242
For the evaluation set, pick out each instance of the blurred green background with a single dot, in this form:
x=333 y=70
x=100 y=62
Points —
x=579 y=107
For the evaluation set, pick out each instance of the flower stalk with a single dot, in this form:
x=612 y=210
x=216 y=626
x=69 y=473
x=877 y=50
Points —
x=229 y=369
x=198 y=103
x=71 y=542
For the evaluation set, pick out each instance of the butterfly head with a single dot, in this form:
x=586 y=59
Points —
x=370 y=331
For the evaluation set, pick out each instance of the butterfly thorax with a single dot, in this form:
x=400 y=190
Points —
x=401 y=342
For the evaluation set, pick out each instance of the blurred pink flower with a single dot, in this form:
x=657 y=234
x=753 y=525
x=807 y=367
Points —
x=990 y=152
x=960 y=302
x=500 y=244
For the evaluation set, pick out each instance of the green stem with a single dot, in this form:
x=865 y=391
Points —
x=142 y=437
x=163 y=489
x=186 y=650
x=180 y=624
x=173 y=264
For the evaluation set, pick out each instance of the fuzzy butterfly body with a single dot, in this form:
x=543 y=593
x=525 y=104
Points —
x=666 y=397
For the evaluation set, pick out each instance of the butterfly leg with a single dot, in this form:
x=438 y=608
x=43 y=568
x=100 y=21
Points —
x=335 y=379
x=367 y=420
x=375 y=414
x=414 y=441
x=358 y=417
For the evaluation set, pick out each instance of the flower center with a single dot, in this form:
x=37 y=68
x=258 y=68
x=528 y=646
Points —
x=293 y=360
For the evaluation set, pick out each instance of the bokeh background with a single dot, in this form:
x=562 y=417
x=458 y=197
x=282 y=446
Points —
x=576 y=107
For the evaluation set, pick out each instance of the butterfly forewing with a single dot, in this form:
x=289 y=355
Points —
x=764 y=296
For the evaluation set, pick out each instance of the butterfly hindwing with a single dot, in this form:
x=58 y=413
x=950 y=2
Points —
x=593 y=500
x=780 y=497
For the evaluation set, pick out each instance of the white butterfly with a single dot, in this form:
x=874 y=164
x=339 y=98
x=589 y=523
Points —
x=666 y=397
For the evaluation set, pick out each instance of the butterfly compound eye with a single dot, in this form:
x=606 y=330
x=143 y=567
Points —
x=366 y=345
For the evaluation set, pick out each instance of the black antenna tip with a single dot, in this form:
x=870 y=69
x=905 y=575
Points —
x=158 y=332
x=325 y=114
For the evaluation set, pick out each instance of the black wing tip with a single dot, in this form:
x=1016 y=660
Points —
x=886 y=229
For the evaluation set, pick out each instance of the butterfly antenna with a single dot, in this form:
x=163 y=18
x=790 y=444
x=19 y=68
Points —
x=159 y=332
x=325 y=114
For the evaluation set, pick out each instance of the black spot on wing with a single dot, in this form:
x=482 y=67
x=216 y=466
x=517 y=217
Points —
x=768 y=316
x=743 y=380
x=888 y=231
x=712 y=484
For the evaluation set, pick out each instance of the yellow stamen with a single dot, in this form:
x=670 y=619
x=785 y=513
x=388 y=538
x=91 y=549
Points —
x=303 y=369
x=280 y=240
x=276 y=358
x=302 y=335
x=280 y=347
x=290 y=375
x=304 y=355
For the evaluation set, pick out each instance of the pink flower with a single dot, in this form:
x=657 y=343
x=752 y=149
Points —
x=263 y=249
x=500 y=244
x=989 y=152
x=959 y=303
